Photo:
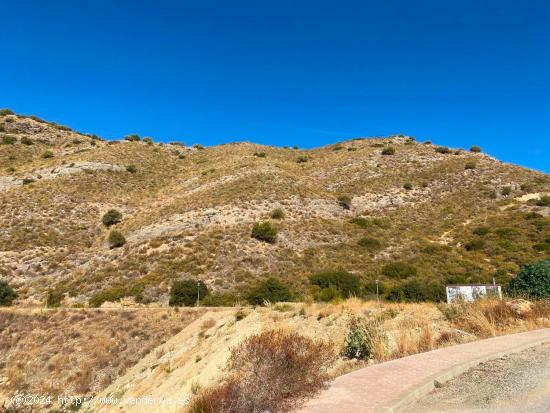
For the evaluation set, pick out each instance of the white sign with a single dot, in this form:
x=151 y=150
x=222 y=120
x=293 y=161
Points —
x=460 y=293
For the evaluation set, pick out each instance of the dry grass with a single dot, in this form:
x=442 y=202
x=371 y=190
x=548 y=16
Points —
x=78 y=351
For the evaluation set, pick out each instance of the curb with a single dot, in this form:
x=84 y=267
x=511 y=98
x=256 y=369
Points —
x=401 y=403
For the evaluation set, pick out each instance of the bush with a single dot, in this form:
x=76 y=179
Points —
x=25 y=140
x=408 y=186
x=131 y=168
x=264 y=231
x=259 y=154
x=185 y=292
x=475 y=245
x=398 y=270
x=344 y=201
x=112 y=294
x=277 y=213
x=47 y=155
x=370 y=243
x=506 y=191
x=6 y=112
x=327 y=294
x=111 y=217
x=365 y=339
x=470 y=165
x=8 y=140
x=116 y=239
x=475 y=148
x=442 y=149
x=54 y=298
x=273 y=371
x=532 y=280
x=132 y=138
x=544 y=201
x=390 y=150
x=7 y=294
x=271 y=290
x=148 y=140
x=347 y=284
x=481 y=231
x=417 y=291
x=302 y=159
x=219 y=300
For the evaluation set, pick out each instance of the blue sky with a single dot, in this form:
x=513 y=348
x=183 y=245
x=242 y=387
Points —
x=281 y=72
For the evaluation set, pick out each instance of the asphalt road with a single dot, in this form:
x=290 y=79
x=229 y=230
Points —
x=517 y=383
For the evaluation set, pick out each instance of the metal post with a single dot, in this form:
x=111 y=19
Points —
x=198 y=293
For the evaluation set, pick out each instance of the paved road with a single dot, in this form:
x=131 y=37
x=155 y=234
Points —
x=518 y=383
x=396 y=383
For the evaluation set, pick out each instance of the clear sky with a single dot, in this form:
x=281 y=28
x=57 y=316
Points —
x=307 y=73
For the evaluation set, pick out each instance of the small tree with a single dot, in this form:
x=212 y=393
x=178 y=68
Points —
x=533 y=280
x=272 y=290
x=111 y=217
x=116 y=239
x=346 y=283
x=132 y=138
x=344 y=201
x=7 y=294
x=186 y=292
x=264 y=231
x=390 y=150
x=398 y=270
x=475 y=148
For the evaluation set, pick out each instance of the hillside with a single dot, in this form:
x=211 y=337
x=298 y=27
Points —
x=187 y=211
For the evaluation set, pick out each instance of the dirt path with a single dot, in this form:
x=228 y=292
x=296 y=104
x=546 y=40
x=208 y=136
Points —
x=518 y=383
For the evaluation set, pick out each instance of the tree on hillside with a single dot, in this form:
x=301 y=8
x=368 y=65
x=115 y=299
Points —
x=186 y=292
x=7 y=294
x=532 y=280
x=271 y=290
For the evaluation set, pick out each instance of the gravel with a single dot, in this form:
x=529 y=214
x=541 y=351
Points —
x=517 y=383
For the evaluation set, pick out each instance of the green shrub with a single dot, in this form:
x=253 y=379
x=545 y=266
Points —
x=259 y=154
x=398 y=270
x=25 y=140
x=347 y=284
x=8 y=140
x=264 y=231
x=364 y=339
x=370 y=243
x=132 y=138
x=302 y=159
x=27 y=181
x=442 y=149
x=475 y=245
x=111 y=294
x=390 y=150
x=360 y=221
x=417 y=291
x=111 y=217
x=277 y=213
x=148 y=140
x=47 y=154
x=544 y=201
x=271 y=290
x=506 y=191
x=532 y=280
x=7 y=294
x=131 y=168
x=344 y=201
x=219 y=300
x=470 y=165
x=327 y=294
x=186 y=292
x=481 y=231
x=6 y=112
x=475 y=148
x=408 y=186
x=116 y=239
